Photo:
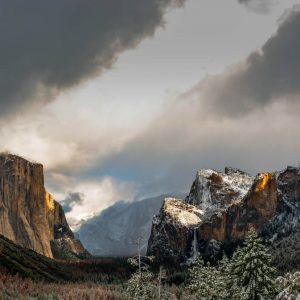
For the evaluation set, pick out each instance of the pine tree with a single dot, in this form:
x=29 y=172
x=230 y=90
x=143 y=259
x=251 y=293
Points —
x=251 y=271
x=140 y=286
x=232 y=287
x=289 y=286
x=205 y=282
x=224 y=267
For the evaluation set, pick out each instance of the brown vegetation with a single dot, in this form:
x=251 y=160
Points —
x=14 y=287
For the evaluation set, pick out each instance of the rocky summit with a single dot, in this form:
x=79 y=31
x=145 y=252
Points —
x=29 y=216
x=221 y=208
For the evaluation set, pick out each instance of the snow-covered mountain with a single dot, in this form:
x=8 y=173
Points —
x=213 y=190
x=220 y=209
x=115 y=231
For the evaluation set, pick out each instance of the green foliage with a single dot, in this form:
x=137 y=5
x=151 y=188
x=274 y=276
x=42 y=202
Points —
x=27 y=263
x=251 y=271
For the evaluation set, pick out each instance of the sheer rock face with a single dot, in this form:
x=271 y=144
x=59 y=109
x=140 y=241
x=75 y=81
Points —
x=231 y=203
x=170 y=234
x=29 y=216
x=257 y=207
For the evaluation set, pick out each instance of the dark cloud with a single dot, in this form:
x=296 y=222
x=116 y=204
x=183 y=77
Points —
x=268 y=75
x=244 y=1
x=258 y=6
x=49 y=46
x=71 y=200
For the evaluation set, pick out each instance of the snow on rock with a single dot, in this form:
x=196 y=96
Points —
x=213 y=190
x=182 y=213
x=172 y=230
x=221 y=207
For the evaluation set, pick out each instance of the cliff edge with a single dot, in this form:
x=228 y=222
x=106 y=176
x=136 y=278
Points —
x=29 y=216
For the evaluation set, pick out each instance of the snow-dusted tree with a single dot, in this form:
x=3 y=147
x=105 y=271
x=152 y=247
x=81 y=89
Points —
x=289 y=286
x=224 y=266
x=140 y=286
x=251 y=271
x=205 y=282
x=162 y=292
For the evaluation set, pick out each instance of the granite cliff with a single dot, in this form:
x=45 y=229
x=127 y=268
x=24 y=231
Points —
x=220 y=209
x=29 y=216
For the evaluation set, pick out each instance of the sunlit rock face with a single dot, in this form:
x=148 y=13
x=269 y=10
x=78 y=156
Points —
x=256 y=208
x=230 y=203
x=29 y=216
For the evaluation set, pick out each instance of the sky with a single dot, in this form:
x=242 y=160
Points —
x=122 y=100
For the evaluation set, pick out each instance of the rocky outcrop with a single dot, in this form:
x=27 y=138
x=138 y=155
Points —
x=231 y=203
x=213 y=190
x=254 y=210
x=29 y=216
x=172 y=229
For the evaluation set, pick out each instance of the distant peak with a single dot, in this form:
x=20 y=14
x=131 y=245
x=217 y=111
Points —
x=231 y=171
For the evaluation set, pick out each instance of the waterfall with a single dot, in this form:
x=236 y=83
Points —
x=195 y=247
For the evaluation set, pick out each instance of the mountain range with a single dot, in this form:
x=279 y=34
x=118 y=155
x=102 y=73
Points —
x=212 y=219
x=116 y=230
x=221 y=208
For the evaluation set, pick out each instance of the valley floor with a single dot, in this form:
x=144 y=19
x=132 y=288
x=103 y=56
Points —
x=14 y=287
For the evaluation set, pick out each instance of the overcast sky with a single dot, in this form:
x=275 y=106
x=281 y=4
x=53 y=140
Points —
x=125 y=99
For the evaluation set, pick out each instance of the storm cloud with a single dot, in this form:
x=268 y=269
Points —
x=71 y=200
x=258 y=6
x=50 y=46
x=268 y=75
x=245 y=117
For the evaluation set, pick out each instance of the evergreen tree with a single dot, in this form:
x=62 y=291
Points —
x=251 y=271
x=289 y=286
x=224 y=267
x=140 y=286
x=205 y=282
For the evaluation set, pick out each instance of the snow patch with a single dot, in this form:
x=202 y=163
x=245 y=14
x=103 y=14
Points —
x=182 y=213
x=213 y=190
